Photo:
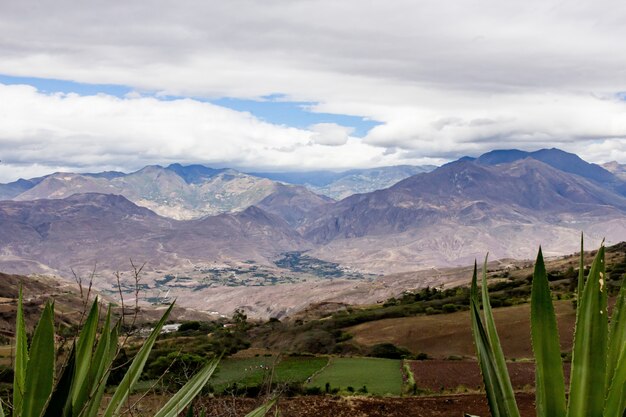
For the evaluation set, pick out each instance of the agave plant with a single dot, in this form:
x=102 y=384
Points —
x=79 y=390
x=598 y=372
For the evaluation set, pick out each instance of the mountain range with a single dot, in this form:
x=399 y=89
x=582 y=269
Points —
x=284 y=236
x=193 y=191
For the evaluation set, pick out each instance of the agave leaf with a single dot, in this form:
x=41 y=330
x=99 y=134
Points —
x=96 y=370
x=40 y=369
x=262 y=410
x=21 y=358
x=616 y=397
x=502 y=372
x=84 y=359
x=616 y=359
x=135 y=369
x=617 y=334
x=495 y=396
x=60 y=400
x=93 y=405
x=550 y=385
x=588 y=375
x=188 y=392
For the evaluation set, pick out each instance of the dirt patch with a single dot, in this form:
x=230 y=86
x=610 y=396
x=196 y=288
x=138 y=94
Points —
x=439 y=375
x=328 y=406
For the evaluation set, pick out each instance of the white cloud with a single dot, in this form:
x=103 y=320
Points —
x=444 y=78
x=41 y=133
x=330 y=134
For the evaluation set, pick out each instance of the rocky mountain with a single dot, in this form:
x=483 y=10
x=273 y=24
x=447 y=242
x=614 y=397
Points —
x=561 y=160
x=179 y=192
x=338 y=185
x=13 y=189
x=294 y=204
x=464 y=209
x=83 y=230
x=282 y=241
x=617 y=169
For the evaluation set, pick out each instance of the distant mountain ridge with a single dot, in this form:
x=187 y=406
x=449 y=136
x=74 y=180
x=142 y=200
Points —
x=193 y=191
x=339 y=185
x=175 y=191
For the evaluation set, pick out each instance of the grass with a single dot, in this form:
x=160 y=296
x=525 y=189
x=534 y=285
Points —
x=380 y=376
x=253 y=372
x=243 y=372
x=298 y=369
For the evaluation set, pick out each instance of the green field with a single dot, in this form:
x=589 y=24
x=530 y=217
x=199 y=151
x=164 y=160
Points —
x=379 y=376
x=253 y=372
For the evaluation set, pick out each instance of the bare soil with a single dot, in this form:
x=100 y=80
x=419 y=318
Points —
x=330 y=406
x=441 y=375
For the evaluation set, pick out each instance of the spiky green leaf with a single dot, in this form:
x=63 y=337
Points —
x=112 y=347
x=588 y=375
x=502 y=372
x=40 y=369
x=60 y=401
x=84 y=358
x=616 y=359
x=495 y=395
x=262 y=410
x=21 y=358
x=188 y=392
x=549 y=380
x=134 y=371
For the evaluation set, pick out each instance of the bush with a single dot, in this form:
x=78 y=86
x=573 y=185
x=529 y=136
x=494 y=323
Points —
x=313 y=391
x=449 y=308
x=189 y=325
x=389 y=351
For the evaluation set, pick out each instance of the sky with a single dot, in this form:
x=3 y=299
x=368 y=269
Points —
x=284 y=85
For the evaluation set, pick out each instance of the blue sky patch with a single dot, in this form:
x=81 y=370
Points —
x=48 y=85
x=295 y=114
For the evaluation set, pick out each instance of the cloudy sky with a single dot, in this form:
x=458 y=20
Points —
x=305 y=84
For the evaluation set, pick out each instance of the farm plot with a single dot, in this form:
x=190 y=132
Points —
x=460 y=376
x=243 y=374
x=378 y=376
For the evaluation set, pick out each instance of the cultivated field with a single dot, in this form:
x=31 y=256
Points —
x=435 y=376
x=253 y=372
x=379 y=376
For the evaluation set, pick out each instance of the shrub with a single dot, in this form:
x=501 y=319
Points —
x=389 y=351
x=449 y=308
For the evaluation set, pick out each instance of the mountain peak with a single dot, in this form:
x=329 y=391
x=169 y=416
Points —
x=194 y=174
x=556 y=158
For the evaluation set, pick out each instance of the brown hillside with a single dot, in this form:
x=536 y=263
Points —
x=445 y=335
